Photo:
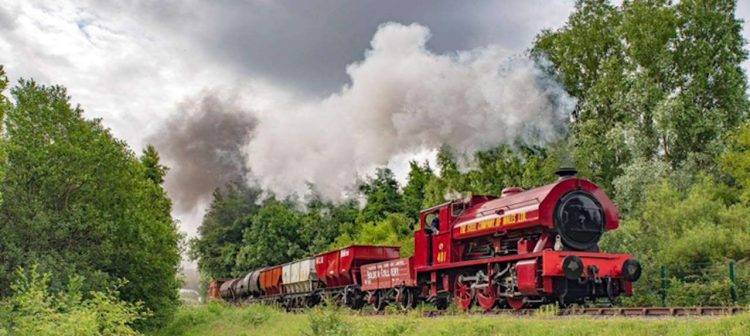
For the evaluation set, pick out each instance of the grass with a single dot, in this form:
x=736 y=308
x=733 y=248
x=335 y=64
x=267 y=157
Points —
x=220 y=319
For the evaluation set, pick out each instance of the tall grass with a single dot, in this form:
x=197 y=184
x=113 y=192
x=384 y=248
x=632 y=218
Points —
x=219 y=319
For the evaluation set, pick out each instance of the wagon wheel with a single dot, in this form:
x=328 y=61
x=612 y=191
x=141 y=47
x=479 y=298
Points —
x=309 y=301
x=441 y=303
x=405 y=298
x=517 y=302
x=352 y=298
x=379 y=302
x=463 y=293
x=487 y=297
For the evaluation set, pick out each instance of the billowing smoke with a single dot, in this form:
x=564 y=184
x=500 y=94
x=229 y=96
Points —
x=202 y=144
x=405 y=99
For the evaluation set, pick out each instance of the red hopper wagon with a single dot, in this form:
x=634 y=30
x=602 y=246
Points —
x=339 y=270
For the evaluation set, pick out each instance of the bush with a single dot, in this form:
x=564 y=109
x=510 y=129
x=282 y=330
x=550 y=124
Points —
x=34 y=310
x=328 y=321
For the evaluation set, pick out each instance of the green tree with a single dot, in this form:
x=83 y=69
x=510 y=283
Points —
x=414 y=191
x=382 y=194
x=154 y=170
x=710 y=86
x=150 y=252
x=736 y=161
x=503 y=166
x=450 y=181
x=395 y=229
x=654 y=80
x=323 y=221
x=693 y=233
x=5 y=105
x=71 y=182
x=221 y=232
x=273 y=239
x=587 y=55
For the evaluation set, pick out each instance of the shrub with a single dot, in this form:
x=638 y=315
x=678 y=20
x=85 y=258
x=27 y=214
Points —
x=34 y=310
x=328 y=321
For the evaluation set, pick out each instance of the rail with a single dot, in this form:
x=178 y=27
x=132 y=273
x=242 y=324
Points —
x=601 y=312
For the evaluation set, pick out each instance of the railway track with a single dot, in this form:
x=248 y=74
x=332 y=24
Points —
x=598 y=312
x=611 y=311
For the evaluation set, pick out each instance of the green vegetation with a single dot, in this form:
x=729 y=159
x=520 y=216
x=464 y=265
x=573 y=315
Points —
x=78 y=203
x=218 y=319
x=34 y=310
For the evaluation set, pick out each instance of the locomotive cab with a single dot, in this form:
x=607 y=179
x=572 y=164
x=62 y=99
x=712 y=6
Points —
x=433 y=240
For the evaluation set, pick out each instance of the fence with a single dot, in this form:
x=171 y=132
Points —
x=727 y=273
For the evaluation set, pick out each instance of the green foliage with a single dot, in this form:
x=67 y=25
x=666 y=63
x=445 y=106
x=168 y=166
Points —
x=328 y=321
x=150 y=161
x=382 y=194
x=324 y=221
x=102 y=214
x=492 y=171
x=395 y=229
x=693 y=233
x=5 y=105
x=414 y=191
x=34 y=310
x=654 y=80
x=221 y=232
x=631 y=186
x=736 y=160
x=451 y=180
x=273 y=238
x=217 y=318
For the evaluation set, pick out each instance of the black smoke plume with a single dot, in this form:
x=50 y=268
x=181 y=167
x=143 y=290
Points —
x=202 y=144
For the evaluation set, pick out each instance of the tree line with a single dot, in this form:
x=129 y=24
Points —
x=660 y=122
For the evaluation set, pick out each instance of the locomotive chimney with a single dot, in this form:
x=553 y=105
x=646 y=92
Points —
x=566 y=172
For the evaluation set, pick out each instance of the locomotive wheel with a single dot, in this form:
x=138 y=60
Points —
x=517 y=303
x=405 y=298
x=487 y=297
x=613 y=289
x=463 y=293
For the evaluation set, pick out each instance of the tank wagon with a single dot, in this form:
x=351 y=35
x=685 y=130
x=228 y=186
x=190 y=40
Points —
x=522 y=249
x=214 y=292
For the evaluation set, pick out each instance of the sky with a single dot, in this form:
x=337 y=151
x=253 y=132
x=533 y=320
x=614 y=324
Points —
x=146 y=67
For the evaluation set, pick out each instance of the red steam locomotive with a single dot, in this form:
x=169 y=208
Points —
x=523 y=249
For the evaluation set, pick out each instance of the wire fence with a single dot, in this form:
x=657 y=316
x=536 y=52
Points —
x=725 y=274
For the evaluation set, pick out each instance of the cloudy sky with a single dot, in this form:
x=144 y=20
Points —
x=145 y=66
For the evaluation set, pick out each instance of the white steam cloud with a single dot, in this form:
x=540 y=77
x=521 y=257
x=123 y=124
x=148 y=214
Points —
x=405 y=99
